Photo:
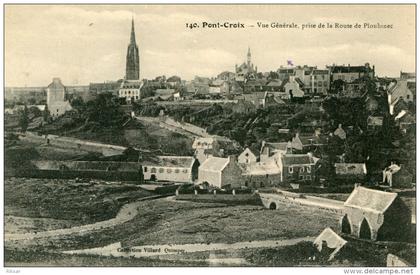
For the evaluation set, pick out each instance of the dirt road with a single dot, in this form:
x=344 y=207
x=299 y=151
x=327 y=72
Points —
x=126 y=213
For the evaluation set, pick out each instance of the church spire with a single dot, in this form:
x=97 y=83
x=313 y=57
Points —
x=133 y=35
x=132 y=61
x=249 y=56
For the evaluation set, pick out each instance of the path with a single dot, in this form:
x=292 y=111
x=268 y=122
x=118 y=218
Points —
x=116 y=250
x=126 y=213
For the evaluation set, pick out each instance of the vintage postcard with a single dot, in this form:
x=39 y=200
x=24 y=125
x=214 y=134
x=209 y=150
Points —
x=198 y=135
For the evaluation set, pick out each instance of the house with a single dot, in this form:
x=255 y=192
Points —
x=171 y=168
x=395 y=176
x=349 y=73
x=375 y=215
x=350 y=171
x=221 y=172
x=293 y=88
x=272 y=99
x=130 y=90
x=297 y=167
x=399 y=91
x=269 y=149
x=173 y=81
x=216 y=146
x=248 y=156
x=262 y=174
x=219 y=86
x=56 y=98
x=226 y=76
x=374 y=123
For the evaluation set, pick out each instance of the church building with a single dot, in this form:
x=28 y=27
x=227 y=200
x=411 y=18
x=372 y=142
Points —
x=130 y=87
x=245 y=71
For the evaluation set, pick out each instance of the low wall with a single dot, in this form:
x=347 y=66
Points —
x=222 y=198
x=56 y=174
x=288 y=198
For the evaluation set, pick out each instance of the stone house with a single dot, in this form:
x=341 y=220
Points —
x=216 y=146
x=221 y=172
x=293 y=88
x=269 y=149
x=375 y=215
x=219 y=86
x=297 y=167
x=56 y=99
x=171 y=168
x=248 y=156
x=262 y=174
x=349 y=73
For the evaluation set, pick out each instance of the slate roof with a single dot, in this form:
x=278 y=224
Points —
x=171 y=161
x=214 y=164
x=370 y=200
x=259 y=168
x=297 y=159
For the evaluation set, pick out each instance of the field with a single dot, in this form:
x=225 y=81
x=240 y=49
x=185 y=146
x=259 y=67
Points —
x=80 y=203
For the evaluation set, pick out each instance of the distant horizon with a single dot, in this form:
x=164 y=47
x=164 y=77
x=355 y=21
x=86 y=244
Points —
x=87 y=44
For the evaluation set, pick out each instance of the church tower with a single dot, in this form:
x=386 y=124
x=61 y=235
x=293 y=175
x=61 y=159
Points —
x=132 y=62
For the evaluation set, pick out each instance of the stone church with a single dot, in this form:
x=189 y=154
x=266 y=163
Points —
x=246 y=70
x=130 y=87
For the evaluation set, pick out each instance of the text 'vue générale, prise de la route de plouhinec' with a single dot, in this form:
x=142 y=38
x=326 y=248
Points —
x=287 y=25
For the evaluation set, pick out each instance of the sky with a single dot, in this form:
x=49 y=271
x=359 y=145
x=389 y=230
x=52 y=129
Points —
x=88 y=43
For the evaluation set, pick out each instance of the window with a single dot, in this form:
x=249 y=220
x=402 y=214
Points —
x=145 y=169
x=301 y=177
x=291 y=170
x=308 y=177
x=153 y=170
x=176 y=171
x=169 y=170
x=302 y=169
x=161 y=170
x=308 y=169
x=319 y=83
x=246 y=155
x=408 y=96
x=185 y=171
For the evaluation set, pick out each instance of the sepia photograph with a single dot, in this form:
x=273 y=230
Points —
x=210 y=135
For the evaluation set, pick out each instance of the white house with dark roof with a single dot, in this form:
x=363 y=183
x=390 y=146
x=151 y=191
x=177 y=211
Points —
x=171 y=168
x=220 y=172
x=375 y=215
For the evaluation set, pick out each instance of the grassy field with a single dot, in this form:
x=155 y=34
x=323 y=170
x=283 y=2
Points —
x=66 y=200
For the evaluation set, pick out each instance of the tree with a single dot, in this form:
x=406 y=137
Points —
x=24 y=119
